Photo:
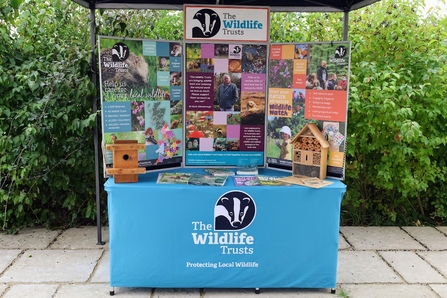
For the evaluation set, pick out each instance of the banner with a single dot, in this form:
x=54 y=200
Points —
x=141 y=98
x=225 y=96
x=308 y=82
x=226 y=23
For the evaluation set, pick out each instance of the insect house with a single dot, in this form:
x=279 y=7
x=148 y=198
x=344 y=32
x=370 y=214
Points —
x=310 y=152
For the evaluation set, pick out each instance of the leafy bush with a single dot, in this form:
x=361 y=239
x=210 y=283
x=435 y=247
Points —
x=397 y=116
x=46 y=121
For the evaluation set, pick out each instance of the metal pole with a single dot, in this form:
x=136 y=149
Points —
x=95 y=109
x=345 y=25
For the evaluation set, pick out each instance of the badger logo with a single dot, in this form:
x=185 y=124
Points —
x=208 y=23
x=235 y=210
x=120 y=52
x=340 y=52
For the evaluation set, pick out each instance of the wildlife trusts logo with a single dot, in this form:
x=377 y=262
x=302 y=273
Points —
x=339 y=55
x=120 y=52
x=340 y=52
x=235 y=51
x=208 y=23
x=235 y=210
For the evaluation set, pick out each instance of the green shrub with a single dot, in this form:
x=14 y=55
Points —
x=397 y=115
x=46 y=121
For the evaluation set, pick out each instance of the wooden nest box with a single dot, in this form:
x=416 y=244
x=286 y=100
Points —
x=310 y=152
x=125 y=160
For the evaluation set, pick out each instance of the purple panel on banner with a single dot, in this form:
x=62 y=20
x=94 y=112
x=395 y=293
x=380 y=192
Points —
x=253 y=82
x=251 y=138
x=199 y=91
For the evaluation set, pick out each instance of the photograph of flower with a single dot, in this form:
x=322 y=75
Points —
x=254 y=58
x=137 y=108
x=281 y=74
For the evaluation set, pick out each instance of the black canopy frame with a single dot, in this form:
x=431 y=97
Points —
x=275 y=6
x=308 y=6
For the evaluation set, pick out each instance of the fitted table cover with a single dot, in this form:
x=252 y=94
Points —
x=188 y=236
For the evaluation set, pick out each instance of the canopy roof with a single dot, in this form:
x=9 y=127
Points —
x=275 y=5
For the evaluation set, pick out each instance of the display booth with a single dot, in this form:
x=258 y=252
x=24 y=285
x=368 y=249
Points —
x=204 y=103
x=189 y=236
x=225 y=97
x=181 y=236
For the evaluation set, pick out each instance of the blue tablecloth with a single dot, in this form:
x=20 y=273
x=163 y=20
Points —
x=187 y=236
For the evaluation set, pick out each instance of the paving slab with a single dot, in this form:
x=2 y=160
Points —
x=31 y=290
x=379 y=262
x=437 y=259
x=82 y=238
x=177 y=293
x=342 y=244
x=267 y=293
x=432 y=238
x=100 y=291
x=389 y=291
x=7 y=256
x=102 y=272
x=411 y=267
x=40 y=266
x=442 y=229
x=380 y=238
x=364 y=267
x=441 y=290
x=2 y=288
x=28 y=239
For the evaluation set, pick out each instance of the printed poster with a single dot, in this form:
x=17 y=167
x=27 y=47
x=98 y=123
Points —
x=142 y=98
x=226 y=23
x=225 y=104
x=307 y=82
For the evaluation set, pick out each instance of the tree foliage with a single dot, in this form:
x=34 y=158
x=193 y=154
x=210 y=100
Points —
x=396 y=146
x=150 y=24
x=397 y=114
x=46 y=168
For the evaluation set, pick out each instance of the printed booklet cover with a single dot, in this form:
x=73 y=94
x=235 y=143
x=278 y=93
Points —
x=246 y=181
x=173 y=178
x=247 y=170
x=306 y=181
x=205 y=179
x=219 y=171
x=271 y=181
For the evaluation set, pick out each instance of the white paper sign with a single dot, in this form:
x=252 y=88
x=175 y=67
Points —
x=226 y=23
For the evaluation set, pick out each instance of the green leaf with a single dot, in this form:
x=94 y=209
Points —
x=33 y=85
x=16 y=3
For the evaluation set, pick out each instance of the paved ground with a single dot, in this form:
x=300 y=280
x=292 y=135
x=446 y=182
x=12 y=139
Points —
x=379 y=262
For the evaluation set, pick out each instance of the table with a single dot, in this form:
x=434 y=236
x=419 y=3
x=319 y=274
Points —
x=183 y=236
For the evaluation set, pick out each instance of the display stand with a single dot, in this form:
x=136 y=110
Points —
x=171 y=236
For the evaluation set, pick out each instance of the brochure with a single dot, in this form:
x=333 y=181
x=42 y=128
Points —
x=271 y=181
x=205 y=179
x=306 y=181
x=246 y=181
x=219 y=171
x=247 y=170
x=173 y=178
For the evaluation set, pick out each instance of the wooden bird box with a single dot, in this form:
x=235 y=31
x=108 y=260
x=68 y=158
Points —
x=310 y=153
x=125 y=160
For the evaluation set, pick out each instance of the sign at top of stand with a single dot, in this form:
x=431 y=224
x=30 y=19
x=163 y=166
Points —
x=226 y=23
